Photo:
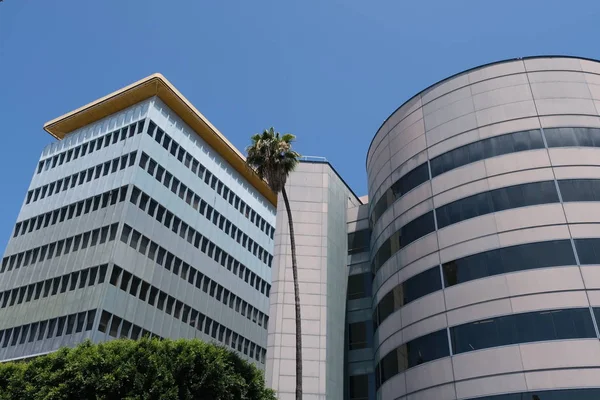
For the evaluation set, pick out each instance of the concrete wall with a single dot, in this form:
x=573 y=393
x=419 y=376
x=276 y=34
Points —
x=319 y=200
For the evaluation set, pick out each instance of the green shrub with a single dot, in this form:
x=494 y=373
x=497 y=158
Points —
x=135 y=369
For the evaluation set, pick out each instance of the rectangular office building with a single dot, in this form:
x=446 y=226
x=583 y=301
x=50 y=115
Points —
x=141 y=219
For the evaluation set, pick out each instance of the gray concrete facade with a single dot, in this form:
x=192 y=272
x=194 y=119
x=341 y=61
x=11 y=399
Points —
x=484 y=218
x=152 y=233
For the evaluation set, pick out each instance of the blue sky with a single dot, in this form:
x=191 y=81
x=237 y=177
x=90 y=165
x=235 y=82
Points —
x=329 y=71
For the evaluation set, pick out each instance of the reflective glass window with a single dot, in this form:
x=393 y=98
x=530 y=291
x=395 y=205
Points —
x=575 y=323
x=508 y=259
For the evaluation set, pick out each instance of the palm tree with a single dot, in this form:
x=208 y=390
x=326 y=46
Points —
x=273 y=159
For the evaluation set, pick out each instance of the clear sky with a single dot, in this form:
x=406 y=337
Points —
x=329 y=71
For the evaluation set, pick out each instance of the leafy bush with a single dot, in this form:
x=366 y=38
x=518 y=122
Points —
x=135 y=369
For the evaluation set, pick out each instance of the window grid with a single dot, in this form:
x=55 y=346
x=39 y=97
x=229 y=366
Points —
x=161 y=137
x=89 y=147
x=77 y=209
x=79 y=178
x=47 y=329
x=168 y=261
x=217 y=219
x=196 y=239
x=78 y=279
x=51 y=250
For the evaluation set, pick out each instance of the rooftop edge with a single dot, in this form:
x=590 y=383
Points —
x=465 y=72
x=157 y=85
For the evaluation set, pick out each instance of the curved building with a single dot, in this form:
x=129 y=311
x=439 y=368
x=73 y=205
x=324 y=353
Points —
x=484 y=208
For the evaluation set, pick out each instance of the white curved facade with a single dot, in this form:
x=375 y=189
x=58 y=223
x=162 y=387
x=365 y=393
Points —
x=484 y=195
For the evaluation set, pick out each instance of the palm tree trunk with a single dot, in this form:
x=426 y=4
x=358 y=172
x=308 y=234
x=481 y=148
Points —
x=296 y=299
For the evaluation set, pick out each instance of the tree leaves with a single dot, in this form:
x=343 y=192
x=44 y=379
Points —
x=143 y=369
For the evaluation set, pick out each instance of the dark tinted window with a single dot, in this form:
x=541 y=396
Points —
x=527 y=194
x=359 y=286
x=487 y=148
x=508 y=259
x=410 y=232
x=580 y=189
x=359 y=387
x=402 y=186
x=568 y=137
x=358 y=241
x=413 y=288
x=418 y=351
x=588 y=250
x=357 y=335
x=523 y=328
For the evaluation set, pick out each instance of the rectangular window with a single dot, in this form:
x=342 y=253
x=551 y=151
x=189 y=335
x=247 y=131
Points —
x=357 y=335
x=162 y=296
x=93 y=276
x=51 y=328
x=102 y=273
x=83 y=280
x=114 y=326
x=153 y=294
x=70 y=323
x=104 y=320
x=42 y=330
x=144 y=291
x=125 y=280
x=91 y=315
x=135 y=283
x=74 y=279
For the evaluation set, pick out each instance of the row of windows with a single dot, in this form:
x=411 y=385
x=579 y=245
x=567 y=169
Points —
x=505 y=260
x=410 y=232
x=187 y=272
x=505 y=198
x=483 y=149
x=51 y=287
x=561 y=394
x=517 y=196
x=415 y=352
x=411 y=289
x=60 y=247
x=470 y=153
x=202 y=172
x=118 y=327
x=576 y=323
x=528 y=327
x=398 y=189
x=572 y=137
x=81 y=177
x=509 y=259
x=91 y=146
x=509 y=197
x=486 y=148
x=157 y=298
x=70 y=211
x=196 y=239
x=47 y=329
x=195 y=201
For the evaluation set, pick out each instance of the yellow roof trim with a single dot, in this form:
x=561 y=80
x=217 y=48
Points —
x=158 y=85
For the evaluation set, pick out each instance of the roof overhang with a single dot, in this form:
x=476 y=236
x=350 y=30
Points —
x=158 y=85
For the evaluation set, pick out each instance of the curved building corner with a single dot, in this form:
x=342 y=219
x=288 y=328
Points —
x=484 y=210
